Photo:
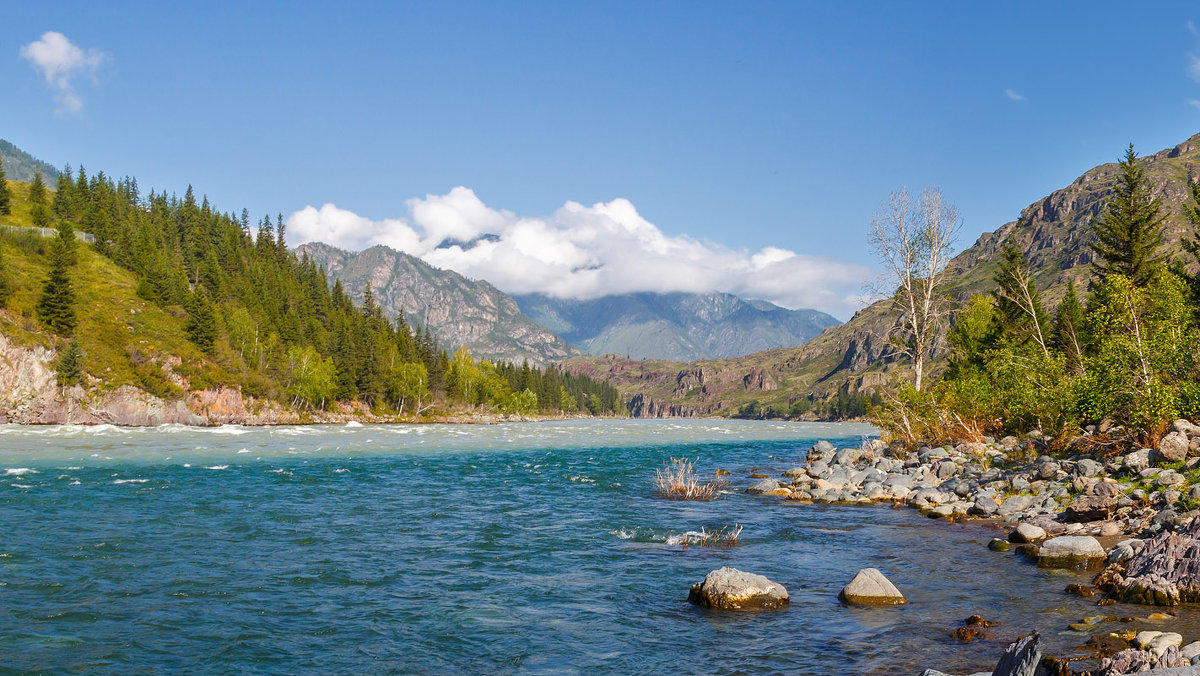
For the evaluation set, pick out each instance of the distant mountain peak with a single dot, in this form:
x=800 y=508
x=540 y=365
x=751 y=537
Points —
x=676 y=325
x=458 y=311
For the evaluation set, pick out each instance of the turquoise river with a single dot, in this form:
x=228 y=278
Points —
x=513 y=548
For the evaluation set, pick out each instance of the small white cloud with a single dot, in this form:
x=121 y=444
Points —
x=1194 y=103
x=584 y=252
x=1191 y=27
x=1014 y=95
x=1193 y=68
x=59 y=61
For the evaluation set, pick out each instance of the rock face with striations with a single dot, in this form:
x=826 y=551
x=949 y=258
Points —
x=1165 y=572
x=459 y=311
x=732 y=589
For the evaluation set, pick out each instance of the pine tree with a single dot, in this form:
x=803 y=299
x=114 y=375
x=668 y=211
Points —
x=1191 y=245
x=64 y=195
x=56 y=307
x=37 y=190
x=1129 y=232
x=201 y=326
x=69 y=369
x=1067 y=336
x=5 y=284
x=1019 y=315
x=5 y=195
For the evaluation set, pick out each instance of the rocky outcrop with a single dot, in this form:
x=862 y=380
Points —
x=870 y=588
x=458 y=310
x=642 y=406
x=1165 y=572
x=758 y=379
x=732 y=589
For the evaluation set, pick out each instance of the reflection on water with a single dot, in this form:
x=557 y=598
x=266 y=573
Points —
x=503 y=548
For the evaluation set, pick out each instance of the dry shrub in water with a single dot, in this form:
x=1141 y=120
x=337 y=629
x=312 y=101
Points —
x=725 y=538
x=678 y=481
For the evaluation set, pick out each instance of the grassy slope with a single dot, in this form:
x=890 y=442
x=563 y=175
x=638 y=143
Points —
x=123 y=337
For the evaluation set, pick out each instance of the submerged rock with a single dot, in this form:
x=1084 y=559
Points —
x=870 y=588
x=732 y=589
x=1071 y=551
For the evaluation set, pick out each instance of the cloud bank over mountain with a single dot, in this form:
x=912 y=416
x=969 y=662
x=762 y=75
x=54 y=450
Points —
x=584 y=252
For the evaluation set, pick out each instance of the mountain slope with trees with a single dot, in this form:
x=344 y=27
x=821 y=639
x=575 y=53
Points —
x=835 y=371
x=175 y=297
x=458 y=311
x=675 y=326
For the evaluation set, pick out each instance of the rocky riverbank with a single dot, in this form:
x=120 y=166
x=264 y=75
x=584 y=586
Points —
x=1126 y=512
x=31 y=395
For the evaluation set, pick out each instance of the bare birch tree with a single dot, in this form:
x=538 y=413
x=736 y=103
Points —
x=914 y=239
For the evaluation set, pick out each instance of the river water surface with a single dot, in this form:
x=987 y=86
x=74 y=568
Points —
x=515 y=548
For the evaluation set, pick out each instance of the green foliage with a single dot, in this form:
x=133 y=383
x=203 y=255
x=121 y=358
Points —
x=56 y=307
x=5 y=193
x=37 y=190
x=201 y=325
x=1129 y=232
x=69 y=369
x=408 y=387
x=6 y=285
x=312 y=377
x=1131 y=353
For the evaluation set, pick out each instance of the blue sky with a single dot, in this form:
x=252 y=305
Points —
x=734 y=130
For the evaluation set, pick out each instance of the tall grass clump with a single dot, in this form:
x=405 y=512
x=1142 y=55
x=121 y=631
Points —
x=678 y=480
x=725 y=537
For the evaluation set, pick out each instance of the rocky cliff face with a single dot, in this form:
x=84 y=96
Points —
x=459 y=311
x=30 y=394
x=679 y=326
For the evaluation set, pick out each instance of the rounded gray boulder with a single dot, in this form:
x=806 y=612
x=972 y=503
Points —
x=731 y=589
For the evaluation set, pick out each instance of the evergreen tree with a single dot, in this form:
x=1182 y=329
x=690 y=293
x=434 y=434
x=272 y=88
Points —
x=5 y=195
x=64 y=195
x=69 y=369
x=5 y=284
x=1129 y=232
x=1180 y=266
x=37 y=190
x=1068 y=336
x=56 y=307
x=201 y=325
x=1020 y=318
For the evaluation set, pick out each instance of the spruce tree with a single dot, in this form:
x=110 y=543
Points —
x=1019 y=316
x=201 y=325
x=5 y=284
x=5 y=195
x=56 y=307
x=1068 y=336
x=1180 y=266
x=1129 y=232
x=69 y=369
x=37 y=190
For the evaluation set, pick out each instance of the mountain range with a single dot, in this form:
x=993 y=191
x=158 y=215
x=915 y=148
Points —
x=21 y=166
x=458 y=311
x=676 y=326
x=1054 y=233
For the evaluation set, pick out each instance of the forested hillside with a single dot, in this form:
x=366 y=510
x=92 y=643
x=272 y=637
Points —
x=176 y=295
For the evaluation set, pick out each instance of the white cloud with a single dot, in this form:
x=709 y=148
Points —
x=1014 y=95
x=59 y=60
x=1193 y=69
x=1191 y=28
x=1194 y=103
x=584 y=252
